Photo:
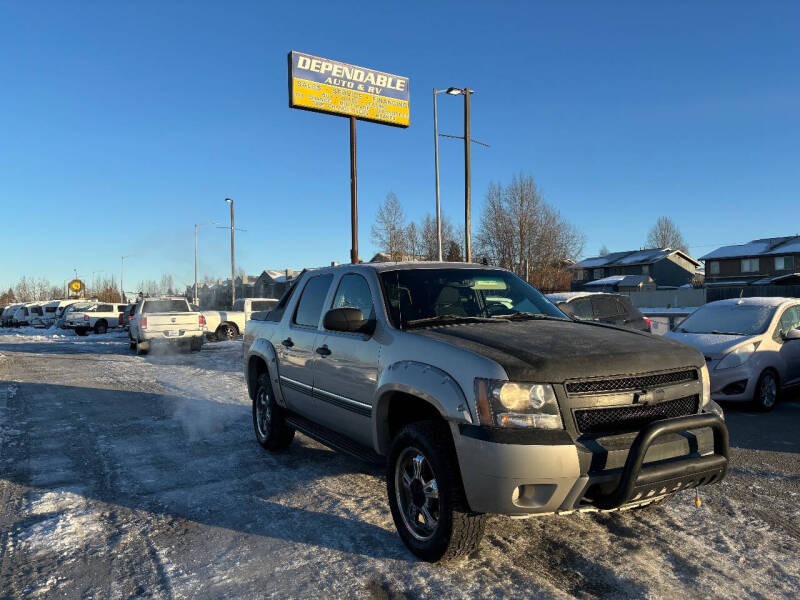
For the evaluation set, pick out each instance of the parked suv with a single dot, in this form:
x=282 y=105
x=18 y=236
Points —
x=614 y=309
x=480 y=396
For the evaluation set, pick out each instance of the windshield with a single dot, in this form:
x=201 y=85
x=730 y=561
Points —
x=165 y=306
x=732 y=319
x=416 y=295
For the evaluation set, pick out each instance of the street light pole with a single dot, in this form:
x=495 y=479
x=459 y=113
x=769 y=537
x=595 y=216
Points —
x=196 y=227
x=122 y=276
x=233 y=264
x=467 y=180
x=436 y=163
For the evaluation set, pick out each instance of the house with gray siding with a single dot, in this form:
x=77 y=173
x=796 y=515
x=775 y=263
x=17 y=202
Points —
x=768 y=261
x=659 y=267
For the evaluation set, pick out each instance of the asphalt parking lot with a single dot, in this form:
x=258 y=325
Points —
x=124 y=475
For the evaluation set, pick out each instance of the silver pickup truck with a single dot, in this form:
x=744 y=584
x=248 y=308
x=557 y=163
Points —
x=479 y=396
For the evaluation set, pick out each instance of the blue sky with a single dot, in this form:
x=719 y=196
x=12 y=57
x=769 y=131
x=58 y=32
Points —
x=122 y=124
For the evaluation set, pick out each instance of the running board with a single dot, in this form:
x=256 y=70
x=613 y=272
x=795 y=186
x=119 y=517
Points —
x=333 y=439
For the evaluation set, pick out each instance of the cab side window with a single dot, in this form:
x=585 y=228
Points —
x=353 y=292
x=309 y=309
x=606 y=307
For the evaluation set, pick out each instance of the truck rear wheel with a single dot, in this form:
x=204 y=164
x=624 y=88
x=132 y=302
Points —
x=227 y=331
x=426 y=495
x=100 y=327
x=142 y=348
x=80 y=331
x=272 y=431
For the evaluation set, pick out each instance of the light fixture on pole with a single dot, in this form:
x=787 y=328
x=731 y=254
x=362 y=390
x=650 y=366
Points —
x=196 y=227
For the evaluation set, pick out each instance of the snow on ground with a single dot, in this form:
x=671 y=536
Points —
x=128 y=475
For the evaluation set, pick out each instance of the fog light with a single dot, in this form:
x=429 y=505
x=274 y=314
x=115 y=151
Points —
x=737 y=387
x=515 y=495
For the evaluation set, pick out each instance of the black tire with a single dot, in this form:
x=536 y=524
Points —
x=269 y=421
x=226 y=331
x=100 y=327
x=141 y=348
x=767 y=392
x=81 y=331
x=455 y=530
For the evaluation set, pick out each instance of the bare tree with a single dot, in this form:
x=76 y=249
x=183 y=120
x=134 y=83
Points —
x=413 y=242
x=453 y=252
x=389 y=229
x=665 y=234
x=519 y=231
x=430 y=237
x=167 y=285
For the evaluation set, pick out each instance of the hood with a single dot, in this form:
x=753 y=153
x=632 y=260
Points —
x=555 y=351
x=710 y=344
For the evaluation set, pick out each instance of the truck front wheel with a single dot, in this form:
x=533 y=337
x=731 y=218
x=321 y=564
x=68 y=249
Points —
x=227 y=331
x=426 y=495
x=272 y=431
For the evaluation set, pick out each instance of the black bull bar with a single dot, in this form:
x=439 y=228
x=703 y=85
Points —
x=639 y=482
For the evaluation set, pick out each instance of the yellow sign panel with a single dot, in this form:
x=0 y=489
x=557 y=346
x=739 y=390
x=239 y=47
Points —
x=76 y=285
x=329 y=86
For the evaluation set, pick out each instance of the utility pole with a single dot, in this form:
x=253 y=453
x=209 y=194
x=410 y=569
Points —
x=467 y=180
x=233 y=263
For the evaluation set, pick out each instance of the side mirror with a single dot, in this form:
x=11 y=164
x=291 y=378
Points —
x=792 y=334
x=348 y=320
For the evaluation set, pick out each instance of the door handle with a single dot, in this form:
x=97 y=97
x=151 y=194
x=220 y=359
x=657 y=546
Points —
x=324 y=351
x=288 y=343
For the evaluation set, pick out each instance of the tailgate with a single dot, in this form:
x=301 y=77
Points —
x=170 y=321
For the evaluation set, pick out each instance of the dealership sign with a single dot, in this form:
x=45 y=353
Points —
x=338 y=88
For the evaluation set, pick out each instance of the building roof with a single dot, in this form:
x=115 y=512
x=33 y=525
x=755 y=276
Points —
x=762 y=247
x=630 y=257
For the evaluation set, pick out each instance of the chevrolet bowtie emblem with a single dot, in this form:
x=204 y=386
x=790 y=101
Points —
x=647 y=396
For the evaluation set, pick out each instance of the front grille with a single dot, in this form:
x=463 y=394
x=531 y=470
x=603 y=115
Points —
x=623 y=419
x=631 y=383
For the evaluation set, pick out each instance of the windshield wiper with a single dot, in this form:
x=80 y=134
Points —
x=520 y=316
x=725 y=333
x=449 y=319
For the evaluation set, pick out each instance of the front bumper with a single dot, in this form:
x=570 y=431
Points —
x=553 y=474
x=733 y=385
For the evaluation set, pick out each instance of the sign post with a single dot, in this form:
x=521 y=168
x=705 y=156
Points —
x=341 y=89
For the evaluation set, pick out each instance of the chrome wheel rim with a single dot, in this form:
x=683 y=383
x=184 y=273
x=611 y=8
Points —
x=263 y=412
x=417 y=493
x=769 y=391
x=229 y=332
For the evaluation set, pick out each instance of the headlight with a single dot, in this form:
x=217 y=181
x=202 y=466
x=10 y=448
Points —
x=510 y=404
x=737 y=357
x=705 y=379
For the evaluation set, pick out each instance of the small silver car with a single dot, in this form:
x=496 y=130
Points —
x=751 y=345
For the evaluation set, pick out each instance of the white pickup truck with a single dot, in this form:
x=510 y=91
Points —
x=228 y=324
x=98 y=318
x=168 y=321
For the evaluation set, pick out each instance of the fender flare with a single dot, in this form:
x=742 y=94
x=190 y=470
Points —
x=424 y=381
x=264 y=350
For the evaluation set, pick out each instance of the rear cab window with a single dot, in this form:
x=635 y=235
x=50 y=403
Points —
x=309 y=308
x=165 y=306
